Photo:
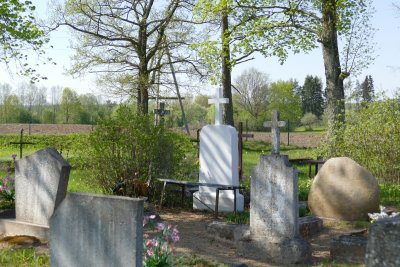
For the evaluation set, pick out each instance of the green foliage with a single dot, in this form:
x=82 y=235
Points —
x=367 y=89
x=194 y=260
x=308 y=120
x=23 y=257
x=371 y=136
x=239 y=217
x=311 y=96
x=128 y=147
x=19 y=33
x=70 y=106
x=284 y=99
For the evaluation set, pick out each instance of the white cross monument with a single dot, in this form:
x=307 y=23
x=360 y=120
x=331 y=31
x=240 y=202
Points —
x=275 y=131
x=218 y=100
x=219 y=163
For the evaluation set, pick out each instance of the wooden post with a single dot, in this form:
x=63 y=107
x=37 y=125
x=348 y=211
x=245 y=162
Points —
x=240 y=144
x=288 y=132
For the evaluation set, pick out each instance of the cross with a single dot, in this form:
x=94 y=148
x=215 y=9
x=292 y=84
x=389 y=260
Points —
x=20 y=143
x=275 y=132
x=218 y=100
x=161 y=111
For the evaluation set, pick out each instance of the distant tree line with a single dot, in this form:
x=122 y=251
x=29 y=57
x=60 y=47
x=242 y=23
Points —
x=29 y=103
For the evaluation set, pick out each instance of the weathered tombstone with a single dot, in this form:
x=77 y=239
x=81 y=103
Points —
x=41 y=182
x=218 y=163
x=274 y=212
x=97 y=230
x=383 y=244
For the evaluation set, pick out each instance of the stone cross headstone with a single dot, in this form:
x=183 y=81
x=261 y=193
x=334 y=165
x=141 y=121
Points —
x=97 y=230
x=218 y=164
x=275 y=124
x=274 y=213
x=218 y=100
x=41 y=182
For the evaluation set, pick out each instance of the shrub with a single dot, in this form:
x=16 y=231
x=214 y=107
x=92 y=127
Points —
x=130 y=150
x=371 y=136
x=308 y=120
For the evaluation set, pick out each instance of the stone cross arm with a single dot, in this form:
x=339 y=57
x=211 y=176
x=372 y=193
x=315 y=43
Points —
x=274 y=124
x=218 y=100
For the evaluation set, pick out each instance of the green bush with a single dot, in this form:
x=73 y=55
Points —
x=371 y=136
x=308 y=120
x=129 y=148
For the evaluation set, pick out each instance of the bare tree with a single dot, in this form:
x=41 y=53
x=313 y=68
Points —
x=126 y=40
x=252 y=87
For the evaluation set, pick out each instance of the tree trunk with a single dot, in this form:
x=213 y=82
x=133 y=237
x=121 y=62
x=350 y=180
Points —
x=334 y=82
x=226 y=70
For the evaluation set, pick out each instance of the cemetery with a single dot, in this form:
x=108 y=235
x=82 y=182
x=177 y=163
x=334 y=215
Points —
x=175 y=158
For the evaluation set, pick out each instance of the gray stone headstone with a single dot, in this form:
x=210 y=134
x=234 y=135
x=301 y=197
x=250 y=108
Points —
x=383 y=246
x=274 y=214
x=41 y=182
x=97 y=230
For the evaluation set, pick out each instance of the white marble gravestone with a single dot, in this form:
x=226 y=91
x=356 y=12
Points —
x=218 y=163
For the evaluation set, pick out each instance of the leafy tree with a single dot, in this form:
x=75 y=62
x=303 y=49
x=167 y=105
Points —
x=275 y=27
x=284 y=99
x=70 y=105
x=127 y=41
x=311 y=96
x=367 y=89
x=12 y=109
x=19 y=34
x=252 y=87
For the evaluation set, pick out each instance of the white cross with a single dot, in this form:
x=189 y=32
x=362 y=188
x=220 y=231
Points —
x=218 y=100
x=275 y=132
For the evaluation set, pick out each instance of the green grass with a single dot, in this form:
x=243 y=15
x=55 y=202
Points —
x=23 y=257
x=79 y=182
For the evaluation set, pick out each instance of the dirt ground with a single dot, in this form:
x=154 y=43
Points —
x=194 y=239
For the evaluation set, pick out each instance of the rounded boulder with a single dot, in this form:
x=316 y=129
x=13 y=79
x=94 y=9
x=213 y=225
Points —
x=343 y=190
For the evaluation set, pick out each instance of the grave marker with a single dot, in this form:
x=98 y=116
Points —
x=218 y=163
x=217 y=101
x=97 y=230
x=275 y=124
x=41 y=182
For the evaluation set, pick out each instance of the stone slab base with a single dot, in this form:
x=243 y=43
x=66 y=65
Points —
x=348 y=248
x=289 y=251
x=308 y=226
x=225 y=203
x=12 y=227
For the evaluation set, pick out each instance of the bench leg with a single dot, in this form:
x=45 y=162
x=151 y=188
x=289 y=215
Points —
x=216 y=204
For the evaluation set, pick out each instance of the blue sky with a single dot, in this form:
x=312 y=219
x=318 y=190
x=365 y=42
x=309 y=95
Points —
x=385 y=70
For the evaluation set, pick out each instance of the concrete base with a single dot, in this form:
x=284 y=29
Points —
x=289 y=251
x=225 y=203
x=12 y=227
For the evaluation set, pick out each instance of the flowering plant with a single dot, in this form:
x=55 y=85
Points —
x=159 y=247
x=7 y=186
x=383 y=214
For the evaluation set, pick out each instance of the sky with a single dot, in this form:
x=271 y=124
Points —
x=385 y=70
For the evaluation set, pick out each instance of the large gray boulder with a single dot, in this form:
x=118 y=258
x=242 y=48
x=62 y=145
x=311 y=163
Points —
x=343 y=190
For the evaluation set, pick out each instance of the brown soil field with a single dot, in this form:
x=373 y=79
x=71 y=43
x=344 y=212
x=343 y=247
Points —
x=15 y=128
x=296 y=139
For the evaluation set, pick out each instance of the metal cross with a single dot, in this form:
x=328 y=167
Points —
x=275 y=131
x=161 y=111
x=218 y=100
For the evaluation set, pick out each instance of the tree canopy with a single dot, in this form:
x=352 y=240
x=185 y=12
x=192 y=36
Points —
x=20 y=34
